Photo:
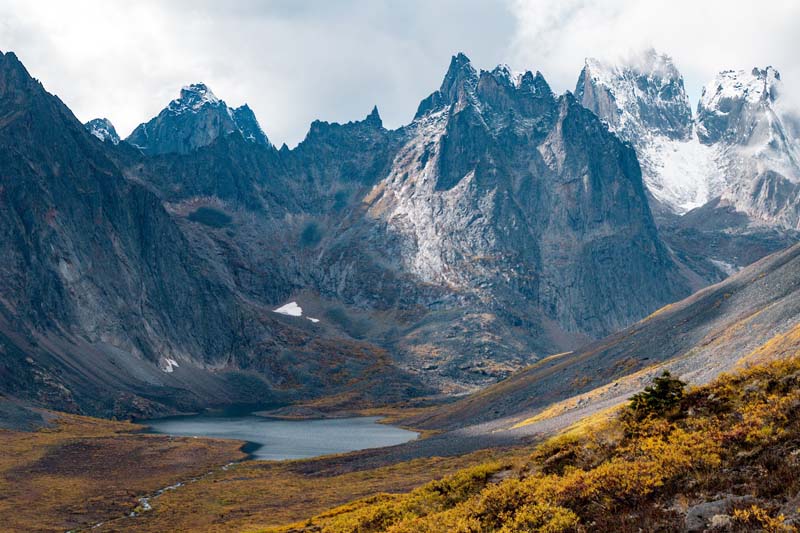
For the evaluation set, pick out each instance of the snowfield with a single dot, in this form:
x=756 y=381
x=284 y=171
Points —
x=290 y=309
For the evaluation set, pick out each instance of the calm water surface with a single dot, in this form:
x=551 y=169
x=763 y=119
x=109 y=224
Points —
x=287 y=439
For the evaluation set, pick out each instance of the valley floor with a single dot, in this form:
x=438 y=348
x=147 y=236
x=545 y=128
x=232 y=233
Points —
x=724 y=457
x=83 y=473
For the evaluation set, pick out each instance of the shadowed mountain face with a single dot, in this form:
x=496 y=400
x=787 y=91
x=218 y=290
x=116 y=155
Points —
x=749 y=317
x=106 y=307
x=504 y=223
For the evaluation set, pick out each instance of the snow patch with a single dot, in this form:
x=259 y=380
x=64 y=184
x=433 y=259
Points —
x=168 y=365
x=290 y=309
x=681 y=174
x=314 y=320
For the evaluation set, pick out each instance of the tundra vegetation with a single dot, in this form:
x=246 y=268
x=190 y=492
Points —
x=734 y=441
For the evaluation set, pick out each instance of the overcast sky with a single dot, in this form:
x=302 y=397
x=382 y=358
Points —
x=295 y=61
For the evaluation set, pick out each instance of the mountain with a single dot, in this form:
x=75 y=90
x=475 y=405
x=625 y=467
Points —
x=743 y=115
x=107 y=308
x=721 y=184
x=750 y=317
x=742 y=147
x=643 y=100
x=103 y=129
x=517 y=196
x=194 y=120
x=501 y=224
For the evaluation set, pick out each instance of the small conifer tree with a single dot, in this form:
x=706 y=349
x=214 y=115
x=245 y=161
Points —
x=658 y=399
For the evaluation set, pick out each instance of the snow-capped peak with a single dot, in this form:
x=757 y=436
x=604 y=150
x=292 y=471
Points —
x=504 y=74
x=193 y=97
x=740 y=107
x=103 y=129
x=643 y=94
x=644 y=101
x=753 y=87
x=193 y=120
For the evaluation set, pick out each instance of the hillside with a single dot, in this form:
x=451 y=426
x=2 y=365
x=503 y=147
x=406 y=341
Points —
x=107 y=308
x=710 y=332
x=720 y=458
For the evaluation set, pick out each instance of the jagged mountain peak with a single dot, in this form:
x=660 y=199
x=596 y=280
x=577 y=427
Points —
x=535 y=84
x=193 y=97
x=374 y=118
x=458 y=85
x=643 y=100
x=193 y=120
x=459 y=81
x=741 y=114
x=734 y=101
x=14 y=77
x=643 y=94
x=248 y=125
x=753 y=86
x=500 y=92
x=648 y=63
x=460 y=69
x=740 y=107
x=503 y=74
x=103 y=129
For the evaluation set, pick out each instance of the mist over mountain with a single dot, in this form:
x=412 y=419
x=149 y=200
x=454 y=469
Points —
x=724 y=175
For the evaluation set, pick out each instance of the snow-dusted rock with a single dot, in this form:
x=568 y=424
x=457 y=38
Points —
x=103 y=129
x=742 y=148
x=195 y=119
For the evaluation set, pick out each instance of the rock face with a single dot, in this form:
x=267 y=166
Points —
x=103 y=129
x=729 y=176
x=502 y=224
x=194 y=120
x=645 y=103
x=105 y=305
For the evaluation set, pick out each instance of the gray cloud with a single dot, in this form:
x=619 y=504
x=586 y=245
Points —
x=294 y=62
x=703 y=36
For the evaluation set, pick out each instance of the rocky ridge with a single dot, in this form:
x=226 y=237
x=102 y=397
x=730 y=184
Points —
x=195 y=119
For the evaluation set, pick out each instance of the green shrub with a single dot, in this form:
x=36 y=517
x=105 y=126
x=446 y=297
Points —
x=661 y=398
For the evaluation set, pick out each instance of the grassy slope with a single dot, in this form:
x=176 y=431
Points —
x=254 y=495
x=697 y=338
x=84 y=470
x=737 y=437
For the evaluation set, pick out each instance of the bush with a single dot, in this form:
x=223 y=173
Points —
x=659 y=399
x=542 y=518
